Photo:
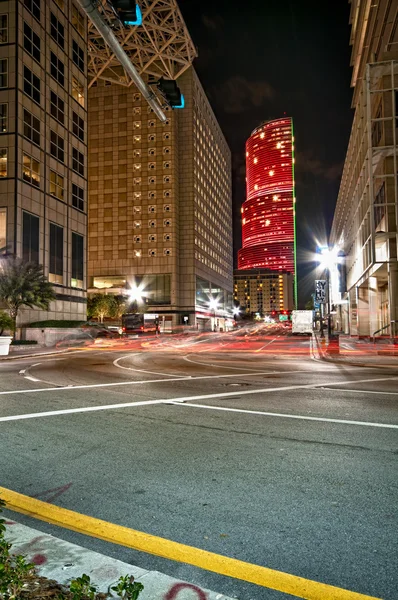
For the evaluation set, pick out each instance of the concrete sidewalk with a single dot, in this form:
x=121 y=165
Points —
x=63 y=561
x=356 y=352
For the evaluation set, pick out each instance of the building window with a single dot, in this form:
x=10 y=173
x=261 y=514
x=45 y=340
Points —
x=57 y=31
x=56 y=185
x=78 y=56
x=3 y=29
x=78 y=91
x=33 y=6
x=77 y=260
x=31 y=170
x=3 y=230
x=78 y=21
x=77 y=197
x=78 y=161
x=3 y=117
x=57 y=107
x=78 y=126
x=31 y=42
x=377 y=127
x=31 y=84
x=31 y=127
x=30 y=237
x=57 y=146
x=3 y=73
x=56 y=267
x=57 y=69
x=61 y=4
x=3 y=162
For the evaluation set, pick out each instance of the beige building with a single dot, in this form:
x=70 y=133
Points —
x=263 y=291
x=160 y=214
x=43 y=149
x=366 y=216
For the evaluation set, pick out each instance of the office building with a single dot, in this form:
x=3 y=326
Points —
x=43 y=149
x=263 y=293
x=160 y=215
x=365 y=221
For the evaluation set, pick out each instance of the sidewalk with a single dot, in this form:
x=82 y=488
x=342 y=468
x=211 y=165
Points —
x=357 y=352
x=62 y=561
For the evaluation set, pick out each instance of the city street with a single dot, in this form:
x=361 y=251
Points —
x=246 y=444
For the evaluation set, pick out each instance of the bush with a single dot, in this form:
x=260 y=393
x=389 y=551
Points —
x=56 y=323
x=5 y=322
x=23 y=342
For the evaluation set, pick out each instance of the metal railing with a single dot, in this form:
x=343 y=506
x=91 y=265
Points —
x=390 y=325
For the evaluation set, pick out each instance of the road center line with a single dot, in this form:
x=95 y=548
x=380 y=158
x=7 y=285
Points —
x=182 y=399
x=116 y=364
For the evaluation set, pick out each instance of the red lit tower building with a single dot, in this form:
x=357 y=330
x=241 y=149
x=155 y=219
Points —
x=268 y=215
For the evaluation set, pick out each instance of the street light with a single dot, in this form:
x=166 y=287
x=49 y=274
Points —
x=329 y=258
x=136 y=294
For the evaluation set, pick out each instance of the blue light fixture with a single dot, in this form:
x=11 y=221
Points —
x=138 y=20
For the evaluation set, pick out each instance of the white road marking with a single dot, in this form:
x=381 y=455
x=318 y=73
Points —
x=362 y=391
x=265 y=345
x=181 y=399
x=286 y=416
x=22 y=372
x=115 y=363
x=31 y=378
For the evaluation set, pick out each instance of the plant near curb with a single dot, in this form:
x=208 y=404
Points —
x=127 y=588
x=81 y=588
x=5 y=322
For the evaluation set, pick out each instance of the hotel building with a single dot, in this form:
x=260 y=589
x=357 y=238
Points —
x=366 y=216
x=43 y=147
x=160 y=214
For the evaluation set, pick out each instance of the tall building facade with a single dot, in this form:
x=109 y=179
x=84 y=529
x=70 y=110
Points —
x=366 y=216
x=43 y=148
x=262 y=292
x=268 y=235
x=160 y=208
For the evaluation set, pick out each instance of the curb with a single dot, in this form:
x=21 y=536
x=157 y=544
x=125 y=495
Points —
x=5 y=358
x=62 y=561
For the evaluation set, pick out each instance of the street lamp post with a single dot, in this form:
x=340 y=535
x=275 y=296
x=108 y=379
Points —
x=213 y=305
x=328 y=259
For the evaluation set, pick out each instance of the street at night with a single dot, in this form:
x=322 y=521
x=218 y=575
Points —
x=246 y=444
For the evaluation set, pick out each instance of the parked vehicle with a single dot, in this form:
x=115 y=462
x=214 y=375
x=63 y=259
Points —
x=302 y=322
x=140 y=323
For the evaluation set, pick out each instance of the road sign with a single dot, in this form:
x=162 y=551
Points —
x=320 y=291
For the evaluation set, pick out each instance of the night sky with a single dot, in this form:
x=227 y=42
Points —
x=260 y=59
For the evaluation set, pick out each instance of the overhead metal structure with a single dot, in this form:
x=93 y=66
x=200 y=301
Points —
x=161 y=46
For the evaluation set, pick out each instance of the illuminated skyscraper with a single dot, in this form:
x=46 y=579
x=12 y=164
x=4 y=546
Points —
x=268 y=223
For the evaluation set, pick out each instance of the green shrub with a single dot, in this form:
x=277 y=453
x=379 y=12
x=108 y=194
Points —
x=56 y=323
x=23 y=342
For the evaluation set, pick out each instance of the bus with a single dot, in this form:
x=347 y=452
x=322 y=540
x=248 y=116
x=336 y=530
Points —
x=139 y=323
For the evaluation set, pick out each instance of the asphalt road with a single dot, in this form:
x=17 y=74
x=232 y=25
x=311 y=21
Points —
x=272 y=456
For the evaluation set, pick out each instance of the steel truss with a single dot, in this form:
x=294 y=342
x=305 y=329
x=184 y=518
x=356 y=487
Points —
x=160 y=47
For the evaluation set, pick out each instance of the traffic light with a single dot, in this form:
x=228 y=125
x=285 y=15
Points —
x=171 y=92
x=128 y=11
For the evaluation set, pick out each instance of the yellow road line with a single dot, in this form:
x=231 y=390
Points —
x=144 y=542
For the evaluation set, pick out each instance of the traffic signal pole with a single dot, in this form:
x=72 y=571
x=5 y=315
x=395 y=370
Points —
x=106 y=32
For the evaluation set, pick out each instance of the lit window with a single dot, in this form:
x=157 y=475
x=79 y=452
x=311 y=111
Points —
x=31 y=170
x=271 y=173
x=137 y=139
x=3 y=162
x=78 y=91
x=56 y=185
x=78 y=20
x=255 y=161
x=137 y=253
x=3 y=29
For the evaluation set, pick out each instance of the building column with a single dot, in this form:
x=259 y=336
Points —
x=363 y=312
x=374 y=305
x=393 y=296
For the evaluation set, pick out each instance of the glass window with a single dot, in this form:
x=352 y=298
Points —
x=31 y=170
x=78 y=91
x=77 y=197
x=34 y=7
x=31 y=42
x=77 y=260
x=3 y=230
x=57 y=69
x=78 y=126
x=57 y=31
x=78 y=161
x=3 y=117
x=3 y=73
x=31 y=84
x=31 y=127
x=60 y=3
x=56 y=185
x=57 y=146
x=3 y=162
x=57 y=107
x=78 y=56
x=3 y=29
x=78 y=20
x=56 y=266
x=30 y=237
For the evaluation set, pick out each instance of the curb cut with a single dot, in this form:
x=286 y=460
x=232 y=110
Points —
x=62 y=561
x=323 y=356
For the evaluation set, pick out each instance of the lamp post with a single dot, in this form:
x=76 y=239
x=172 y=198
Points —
x=328 y=259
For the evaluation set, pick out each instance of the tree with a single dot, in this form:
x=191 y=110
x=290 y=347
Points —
x=23 y=284
x=5 y=322
x=119 y=306
x=100 y=306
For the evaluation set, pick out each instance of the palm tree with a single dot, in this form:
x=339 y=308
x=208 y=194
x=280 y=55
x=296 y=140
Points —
x=23 y=284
